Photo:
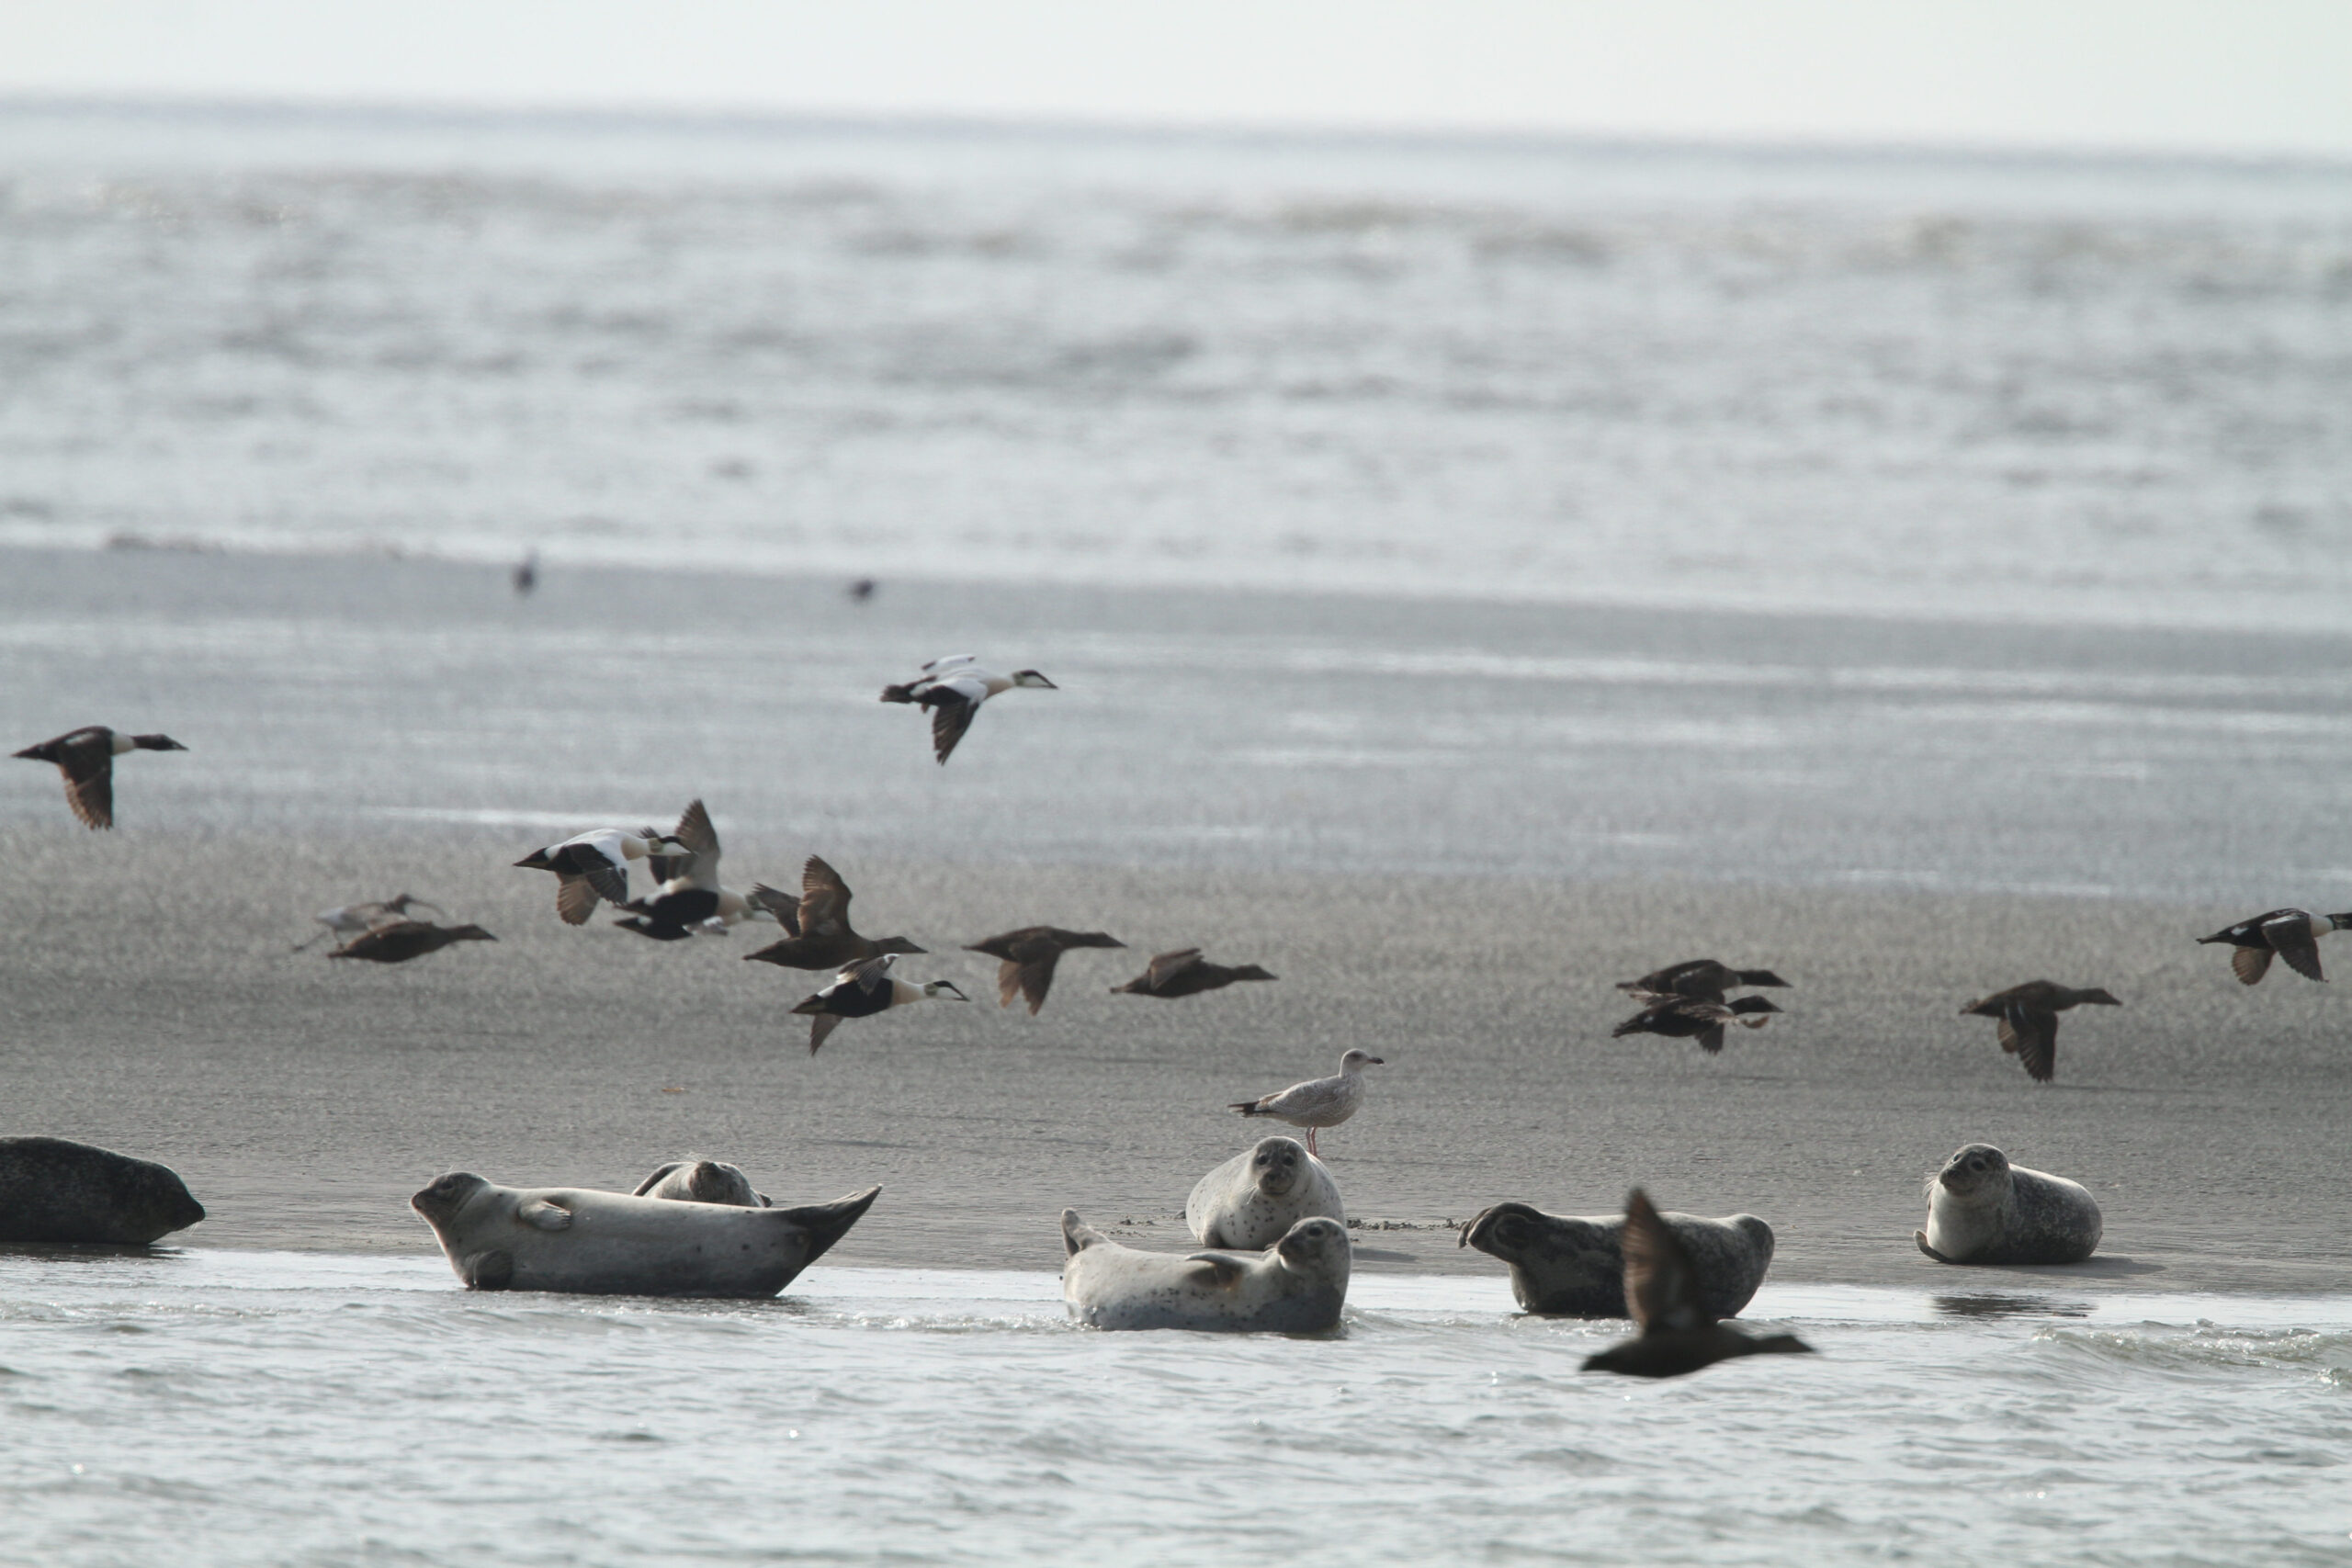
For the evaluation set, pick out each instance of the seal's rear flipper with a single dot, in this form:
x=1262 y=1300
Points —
x=1078 y=1236
x=1921 y=1237
x=827 y=1222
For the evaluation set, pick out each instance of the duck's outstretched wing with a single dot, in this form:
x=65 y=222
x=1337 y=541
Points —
x=2031 y=1036
x=1661 y=1288
x=824 y=899
x=2290 y=935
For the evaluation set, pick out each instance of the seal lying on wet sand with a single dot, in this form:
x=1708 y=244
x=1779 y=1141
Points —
x=584 y=1242
x=702 y=1181
x=53 y=1190
x=1254 y=1199
x=1982 y=1209
x=1565 y=1266
x=1296 y=1286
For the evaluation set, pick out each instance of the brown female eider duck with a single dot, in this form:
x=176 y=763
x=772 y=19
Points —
x=821 y=937
x=1185 y=973
x=1691 y=1018
x=954 y=688
x=1676 y=1332
x=1026 y=959
x=403 y=939
x=2291 y=934
x=1700 y=977
x=85 y=757
x=2028 y=1015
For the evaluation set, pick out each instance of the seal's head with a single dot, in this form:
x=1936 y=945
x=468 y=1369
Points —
x=439 y=1204
x=1317 y=1246
x=1977 y=1170
x=1508 y=1231
x=1276 y=1165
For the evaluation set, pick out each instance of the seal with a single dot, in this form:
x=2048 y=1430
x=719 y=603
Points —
x=53 y=1190
x=1566 y=1266
x=1982 y=1209
x=1254 y=1199
x=702 y=1181
x=1296 y=1286
x=588 y=1243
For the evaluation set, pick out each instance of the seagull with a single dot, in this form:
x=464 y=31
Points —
x=1689 y=1018
x=690 y=899
x=2293 y=934
x=403 y=939
x=85 y=757
x=954 y=688
x=2028 y=1015
x=347 y=920
x=1700 y=977
x=593 y=865
x=820 y=934
x=863 y=989
x=1318 y=1103
x=1027 y=958
x=1182 y=974
x=1662 y=1298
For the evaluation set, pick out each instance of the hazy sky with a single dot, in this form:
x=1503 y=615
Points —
x=2231 y=75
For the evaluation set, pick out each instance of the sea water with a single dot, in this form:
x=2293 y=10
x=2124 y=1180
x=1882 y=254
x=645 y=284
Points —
x=208 y=1408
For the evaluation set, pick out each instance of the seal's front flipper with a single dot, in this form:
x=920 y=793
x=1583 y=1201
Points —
x=1921 y=1237
x=1221 y=1268
x=491 y=1271
x=544 y=1214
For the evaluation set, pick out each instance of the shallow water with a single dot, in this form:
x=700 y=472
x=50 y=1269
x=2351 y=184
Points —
x=222 y=1408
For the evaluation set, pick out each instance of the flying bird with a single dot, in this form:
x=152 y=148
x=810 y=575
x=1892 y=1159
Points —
x=2028 y=1015
x=863 y=989
x=1676 y=1333
x=1700 y=977
x=593 y=865
x=1185 y=973
x=954 y=688
x=1026 y=959
x=690 y=899
x=820 y=935
x=347 y=920
x=85 y=757
x=2291 y=934
x=1690 y=1018
x=1318 y=1103
x=403 y=939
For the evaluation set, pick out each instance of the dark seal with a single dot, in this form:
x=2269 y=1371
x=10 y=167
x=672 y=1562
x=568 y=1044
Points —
x=1565 y=1266
x=53 y=1190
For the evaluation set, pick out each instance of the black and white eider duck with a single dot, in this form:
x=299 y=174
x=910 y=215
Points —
x=1026 y=959
x=2028 y=1015
x=863 y=989
x=593 y=865
x=1185 y=973
x=2290 y=934
x=402 y=939
x=820 y=936
x=954 y=688
x=1677 y=1335
x=690 y=899
x=1694 y=1018
x=1702 y=977
x=85 y=757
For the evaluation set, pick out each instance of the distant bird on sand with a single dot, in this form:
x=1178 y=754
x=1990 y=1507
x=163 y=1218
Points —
x=690 y=899
x=2028 y=1015
x=86 y=757
x=403 y=939
x=954 y=688
x=1318 y=1103
x=1027 y=958
x=527 y=575
x=863 y=989
x=863 y=589
x=821 y=937
x=1662 y=1297
x=2291 y=934
x=347 y=920
x=1700 y=977
x=593 y=865
x=1184 y=972
x=1691 y=1018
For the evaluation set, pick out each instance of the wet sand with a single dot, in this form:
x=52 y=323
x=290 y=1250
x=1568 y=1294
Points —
x=153 y=1007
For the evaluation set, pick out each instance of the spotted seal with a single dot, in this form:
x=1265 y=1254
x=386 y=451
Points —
x=53 y=1190
x=1254 y=1199
x=1982 y=1209
x=702 y=1181
x=1296 y=1286
x=589 y=1243
x=1566 y=1266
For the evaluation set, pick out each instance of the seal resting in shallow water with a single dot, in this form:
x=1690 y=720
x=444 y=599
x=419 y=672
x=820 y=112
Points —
x=1254 y=1199
x=1571 y=1266
x=1296 y=1286
x=702 y=1181
x=1982 y=1209
x=53 y=1190
x=589 y=1243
